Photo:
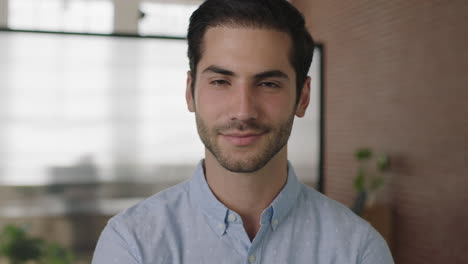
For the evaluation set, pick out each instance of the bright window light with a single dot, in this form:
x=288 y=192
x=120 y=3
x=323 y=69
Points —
x=68 y=103
x=83 y=16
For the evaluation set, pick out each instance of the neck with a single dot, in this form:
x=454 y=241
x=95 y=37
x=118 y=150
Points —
x=248 y=194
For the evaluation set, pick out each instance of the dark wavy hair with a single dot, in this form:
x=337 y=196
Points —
x=278 y=15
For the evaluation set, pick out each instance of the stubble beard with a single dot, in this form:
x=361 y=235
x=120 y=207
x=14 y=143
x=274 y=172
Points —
x=277 y=138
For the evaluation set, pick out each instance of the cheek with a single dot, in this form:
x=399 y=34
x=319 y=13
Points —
x=279 y=107
x=209 y=105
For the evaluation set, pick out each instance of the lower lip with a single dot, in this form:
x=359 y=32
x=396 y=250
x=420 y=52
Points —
x=242 y=141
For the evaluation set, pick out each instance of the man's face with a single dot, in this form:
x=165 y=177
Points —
x=245 y=94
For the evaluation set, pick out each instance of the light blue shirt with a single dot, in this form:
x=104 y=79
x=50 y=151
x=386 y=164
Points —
x=187 y=224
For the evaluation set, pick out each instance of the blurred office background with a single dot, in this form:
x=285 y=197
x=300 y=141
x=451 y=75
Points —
x=94 y=121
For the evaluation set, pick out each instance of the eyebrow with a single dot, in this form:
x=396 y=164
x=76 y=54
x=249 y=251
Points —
x=216 y=69
x=258 y=76
x=271 y=74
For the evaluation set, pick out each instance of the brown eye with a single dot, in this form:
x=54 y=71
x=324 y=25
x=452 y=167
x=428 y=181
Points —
x=269 y=85
x=219 y=82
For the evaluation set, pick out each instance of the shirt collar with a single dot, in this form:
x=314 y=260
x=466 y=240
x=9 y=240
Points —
x=286 y=199
x=217 y=213
x=203 y=197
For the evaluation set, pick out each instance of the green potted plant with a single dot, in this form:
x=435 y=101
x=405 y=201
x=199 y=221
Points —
x=18 y=247
x=370 y=176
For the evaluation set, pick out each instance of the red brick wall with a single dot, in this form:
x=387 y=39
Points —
x=396 y=77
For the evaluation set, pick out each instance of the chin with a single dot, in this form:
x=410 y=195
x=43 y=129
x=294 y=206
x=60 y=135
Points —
x=242 y=167
x=244 y=164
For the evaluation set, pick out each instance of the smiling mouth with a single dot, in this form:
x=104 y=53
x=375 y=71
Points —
x=242 y=139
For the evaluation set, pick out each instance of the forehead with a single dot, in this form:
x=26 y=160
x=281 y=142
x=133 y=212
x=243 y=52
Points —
x=246 y=50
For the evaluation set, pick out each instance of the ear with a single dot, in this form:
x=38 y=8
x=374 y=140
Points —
x=188 y=93
x=304 y=98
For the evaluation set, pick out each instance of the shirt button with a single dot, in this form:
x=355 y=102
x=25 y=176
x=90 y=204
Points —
x=232 y=218
x=275 y=222
x=252 y=259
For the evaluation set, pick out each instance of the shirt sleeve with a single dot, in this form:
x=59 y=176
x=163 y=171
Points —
x=374 y=249
x=115 y=247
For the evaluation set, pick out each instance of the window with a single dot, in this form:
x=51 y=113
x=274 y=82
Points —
x=69 y=102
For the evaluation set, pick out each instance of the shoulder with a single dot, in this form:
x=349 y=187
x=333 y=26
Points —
x=129 y=236
x=158 y=208
x=333 y=218
x=350 y=233
x=328 y=208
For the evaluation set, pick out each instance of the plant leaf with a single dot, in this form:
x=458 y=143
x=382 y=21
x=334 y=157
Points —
x=383 y=162
x=359 y=181
x=363 y=154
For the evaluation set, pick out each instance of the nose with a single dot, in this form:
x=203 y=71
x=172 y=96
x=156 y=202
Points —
x=244 y=107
